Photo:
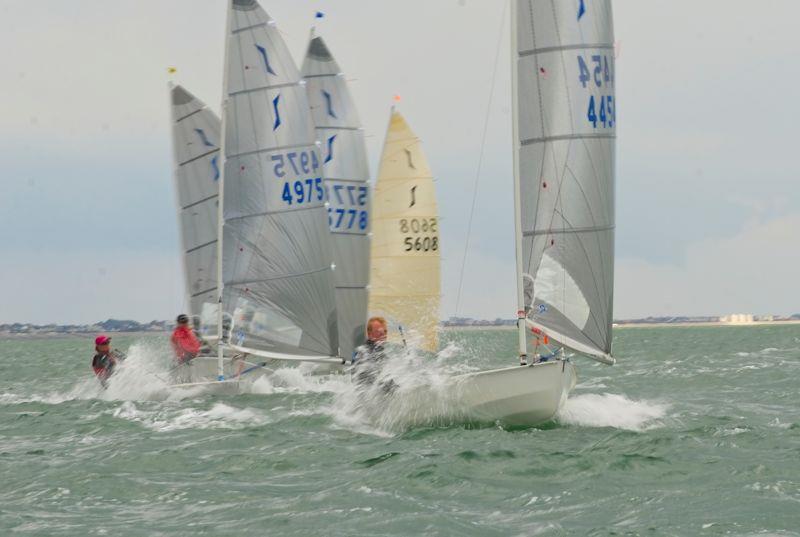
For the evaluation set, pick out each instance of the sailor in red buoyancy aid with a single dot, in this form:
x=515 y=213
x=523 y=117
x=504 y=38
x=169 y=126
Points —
x=184 y=342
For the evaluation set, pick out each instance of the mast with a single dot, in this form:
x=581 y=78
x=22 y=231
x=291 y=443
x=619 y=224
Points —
x=221 y=198
x=521 y=315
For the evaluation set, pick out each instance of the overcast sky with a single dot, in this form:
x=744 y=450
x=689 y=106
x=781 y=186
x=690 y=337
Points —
x=708 y=203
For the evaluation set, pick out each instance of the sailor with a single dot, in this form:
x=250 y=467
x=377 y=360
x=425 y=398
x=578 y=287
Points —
x=184 y=342
x=369 y=357
x=104 y=360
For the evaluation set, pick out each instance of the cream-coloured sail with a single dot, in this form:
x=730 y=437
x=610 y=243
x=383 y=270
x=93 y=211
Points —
x=405 y=261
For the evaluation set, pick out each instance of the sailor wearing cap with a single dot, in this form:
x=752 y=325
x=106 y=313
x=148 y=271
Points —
x=104 y=360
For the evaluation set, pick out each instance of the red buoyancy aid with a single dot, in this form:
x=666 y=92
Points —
x=184 y=343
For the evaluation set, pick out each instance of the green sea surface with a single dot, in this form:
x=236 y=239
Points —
x=696 y=431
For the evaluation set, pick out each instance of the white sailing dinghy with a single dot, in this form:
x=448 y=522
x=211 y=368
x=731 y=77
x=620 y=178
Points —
x=405 y=280
x=346 y=172
x=275 y=274
x=196 y=138
x=564 y=134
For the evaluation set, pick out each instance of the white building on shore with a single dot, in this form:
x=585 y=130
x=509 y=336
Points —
x=738 y=318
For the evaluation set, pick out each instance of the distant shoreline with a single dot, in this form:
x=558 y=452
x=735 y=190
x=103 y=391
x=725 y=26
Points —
x=644 y=325
x=449 y=328
x=709 y=323
x=80 y=335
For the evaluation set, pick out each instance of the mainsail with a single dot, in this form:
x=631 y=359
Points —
x=405 y=279
x=564 y=149
x=277 y=277
x=196 y=136
x=346 y=172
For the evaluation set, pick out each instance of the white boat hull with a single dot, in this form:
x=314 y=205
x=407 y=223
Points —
x=518 y=396
x=205 y=368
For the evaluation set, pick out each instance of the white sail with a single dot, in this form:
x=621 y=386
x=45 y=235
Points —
x=277 y=277
x=196 y=138
x=565 y=130
x=346 y=171
x=405 y=274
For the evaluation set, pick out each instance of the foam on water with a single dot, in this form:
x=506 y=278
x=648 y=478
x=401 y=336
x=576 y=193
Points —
x=411 y=387
x=304 y=379
x=219 y=416
x=611 y=410
x=142 y=376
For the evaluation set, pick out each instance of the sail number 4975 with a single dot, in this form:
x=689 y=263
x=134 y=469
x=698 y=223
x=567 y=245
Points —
x=295 y=167
x=424 y=234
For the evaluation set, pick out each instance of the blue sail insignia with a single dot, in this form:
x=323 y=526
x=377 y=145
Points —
x=330 y=149
x=329 y=104
x=277 y=112
x=215 y=167
x=264 y=57
x=203 y=138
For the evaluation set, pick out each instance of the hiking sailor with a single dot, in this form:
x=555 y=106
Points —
x=370 y=356
x=184 y=342
x=104 y=360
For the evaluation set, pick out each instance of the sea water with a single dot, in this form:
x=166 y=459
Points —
x=696 y=431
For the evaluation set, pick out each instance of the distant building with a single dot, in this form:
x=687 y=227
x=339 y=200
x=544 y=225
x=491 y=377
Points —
x=737 y=318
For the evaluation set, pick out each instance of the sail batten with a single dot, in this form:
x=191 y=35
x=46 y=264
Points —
x=276 y=259
x=346 y=172
x=565 y=117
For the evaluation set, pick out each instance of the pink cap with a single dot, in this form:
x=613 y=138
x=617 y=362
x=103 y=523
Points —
x=102 y=340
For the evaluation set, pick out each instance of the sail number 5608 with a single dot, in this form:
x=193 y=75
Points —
x=425 y=237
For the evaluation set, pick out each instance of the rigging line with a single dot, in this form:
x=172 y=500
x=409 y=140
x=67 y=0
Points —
x=481 y=154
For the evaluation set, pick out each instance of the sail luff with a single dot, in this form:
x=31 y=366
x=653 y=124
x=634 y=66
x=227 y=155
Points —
x=565 y=146
x=221 y=209
x=522 y=342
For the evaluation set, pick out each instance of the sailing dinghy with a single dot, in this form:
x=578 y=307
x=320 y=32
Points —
x=275 y=273
x=195 y=141
x=564 y=130
x=405 y=280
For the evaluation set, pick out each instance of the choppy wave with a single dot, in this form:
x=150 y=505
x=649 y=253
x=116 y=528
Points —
x=612 y=410
x=219 y=416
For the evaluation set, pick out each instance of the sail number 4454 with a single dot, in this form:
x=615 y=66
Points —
x=597 y=73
